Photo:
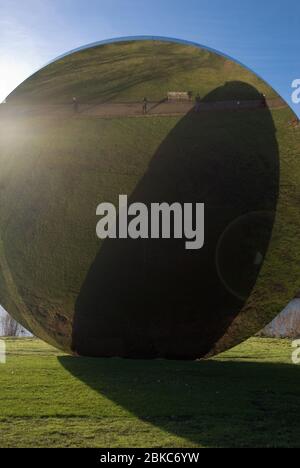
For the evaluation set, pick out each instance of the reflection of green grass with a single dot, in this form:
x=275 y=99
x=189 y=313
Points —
x=66 y=169
x=249 y=396
x=132 y=70
x=54 y=174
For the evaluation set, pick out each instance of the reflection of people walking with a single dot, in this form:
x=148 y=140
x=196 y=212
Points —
x=75 y=105
x=145 y=105
x=263 y=100
x=197 y=103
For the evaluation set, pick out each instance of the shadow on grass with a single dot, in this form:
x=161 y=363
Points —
x=208 y=403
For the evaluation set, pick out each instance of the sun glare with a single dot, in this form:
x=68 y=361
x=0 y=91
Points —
x=13 y=72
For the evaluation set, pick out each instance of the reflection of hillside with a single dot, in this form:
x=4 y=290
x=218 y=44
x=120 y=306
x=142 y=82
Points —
x=142 y=297
x=130 y=70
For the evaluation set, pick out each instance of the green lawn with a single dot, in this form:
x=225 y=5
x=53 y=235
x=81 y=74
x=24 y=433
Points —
x=249 y=396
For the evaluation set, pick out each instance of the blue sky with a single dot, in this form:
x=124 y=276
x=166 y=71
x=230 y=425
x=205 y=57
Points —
x=262 y=35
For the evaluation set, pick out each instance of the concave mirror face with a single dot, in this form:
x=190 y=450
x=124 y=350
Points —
x=169 y=125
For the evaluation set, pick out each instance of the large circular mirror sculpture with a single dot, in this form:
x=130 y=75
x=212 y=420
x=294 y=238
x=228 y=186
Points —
x=200 y=151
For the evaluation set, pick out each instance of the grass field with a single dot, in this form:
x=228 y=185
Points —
x=249 y=396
